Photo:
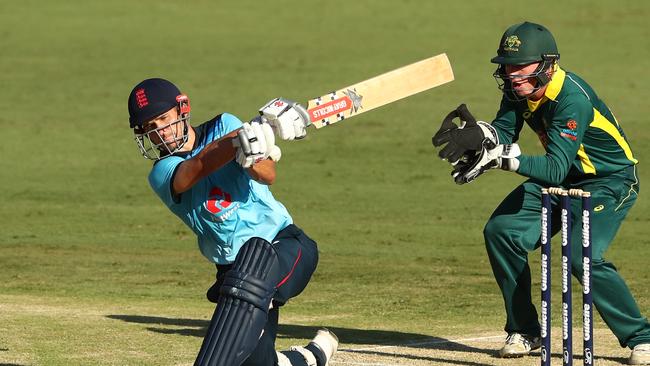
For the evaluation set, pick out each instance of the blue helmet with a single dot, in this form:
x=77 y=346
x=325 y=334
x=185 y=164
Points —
x=149 y=99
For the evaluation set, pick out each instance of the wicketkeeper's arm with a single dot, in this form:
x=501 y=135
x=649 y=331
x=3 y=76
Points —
x=564 y=139
x=506 y=123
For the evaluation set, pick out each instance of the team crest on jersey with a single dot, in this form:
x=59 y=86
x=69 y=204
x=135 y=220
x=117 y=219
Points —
x=512 y=43
x=570 y=130
x=572 y=124
x=220 y=204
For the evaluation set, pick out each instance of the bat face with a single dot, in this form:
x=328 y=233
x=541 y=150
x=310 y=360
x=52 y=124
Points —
x=379 y=90
x=335 y=106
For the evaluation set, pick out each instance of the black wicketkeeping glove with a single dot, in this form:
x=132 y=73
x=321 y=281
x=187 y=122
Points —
x=464 y=139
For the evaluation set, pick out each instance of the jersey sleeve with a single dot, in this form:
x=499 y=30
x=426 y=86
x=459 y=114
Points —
x=229 y=123
x=570 y=122
x=160 y=178
x=506 y=123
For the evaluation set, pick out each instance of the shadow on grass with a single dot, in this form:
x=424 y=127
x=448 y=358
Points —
x=198 y=328
x=382 y=342
x=8 y=364
x=377 y=338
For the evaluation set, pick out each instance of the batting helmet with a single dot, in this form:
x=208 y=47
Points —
x=525 y=43
x=149 y=99
x=522 y=44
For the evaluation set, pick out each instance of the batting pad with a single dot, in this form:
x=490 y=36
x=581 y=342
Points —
x=242 y=307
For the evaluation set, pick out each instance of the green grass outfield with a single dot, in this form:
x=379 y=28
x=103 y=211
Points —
x=95 y=271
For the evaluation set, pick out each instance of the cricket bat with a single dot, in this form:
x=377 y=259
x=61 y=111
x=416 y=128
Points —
x=380 y=90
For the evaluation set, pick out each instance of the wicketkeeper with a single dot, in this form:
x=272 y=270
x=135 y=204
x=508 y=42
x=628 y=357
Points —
x=585 y=148
x=215 y=178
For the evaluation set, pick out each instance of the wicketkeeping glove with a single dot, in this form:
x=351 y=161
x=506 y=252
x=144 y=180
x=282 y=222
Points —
x=464 y=139
x=471 y=166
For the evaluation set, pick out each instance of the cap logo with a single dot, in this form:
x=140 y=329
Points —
x=511 y=43
x=141 y=98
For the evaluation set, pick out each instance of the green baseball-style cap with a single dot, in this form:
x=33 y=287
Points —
x=525 y=43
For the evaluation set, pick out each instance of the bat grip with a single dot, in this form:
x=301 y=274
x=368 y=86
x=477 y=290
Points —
x=244 y=143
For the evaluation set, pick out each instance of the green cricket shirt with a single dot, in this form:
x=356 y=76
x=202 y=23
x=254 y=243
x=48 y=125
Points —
x=581 y=136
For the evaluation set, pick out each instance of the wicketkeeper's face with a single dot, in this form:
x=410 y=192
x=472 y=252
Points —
x=522 y=78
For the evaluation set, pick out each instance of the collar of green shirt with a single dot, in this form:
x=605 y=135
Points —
x=552 y=90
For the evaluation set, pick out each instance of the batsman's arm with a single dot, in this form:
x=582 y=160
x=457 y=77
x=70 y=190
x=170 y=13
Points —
x=215 y=155
x=263 y=172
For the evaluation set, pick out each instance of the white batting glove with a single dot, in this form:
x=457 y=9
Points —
x=288 y=118
x=275 y=154
x=255 y=142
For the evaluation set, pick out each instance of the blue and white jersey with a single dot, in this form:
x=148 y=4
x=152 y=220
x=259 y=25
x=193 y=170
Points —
x=227 y=207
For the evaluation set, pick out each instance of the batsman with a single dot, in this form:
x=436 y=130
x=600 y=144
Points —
x=585 y=148
x=215 y=178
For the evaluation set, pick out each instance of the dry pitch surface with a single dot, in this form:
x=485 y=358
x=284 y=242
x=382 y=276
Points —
x=472 y=350
x=460 y=349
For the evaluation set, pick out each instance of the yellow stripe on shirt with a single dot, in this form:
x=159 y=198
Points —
x=605 y=125
x=587 y=166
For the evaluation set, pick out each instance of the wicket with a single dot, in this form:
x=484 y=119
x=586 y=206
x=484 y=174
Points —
x=587 y=301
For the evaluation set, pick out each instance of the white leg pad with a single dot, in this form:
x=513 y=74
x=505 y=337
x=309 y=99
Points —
x=327 y=342
x=310 y=360
x=296 y=356
x=283 y=360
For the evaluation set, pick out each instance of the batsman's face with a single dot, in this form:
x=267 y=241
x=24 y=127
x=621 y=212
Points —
x=522 y=79
x=165 y=129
